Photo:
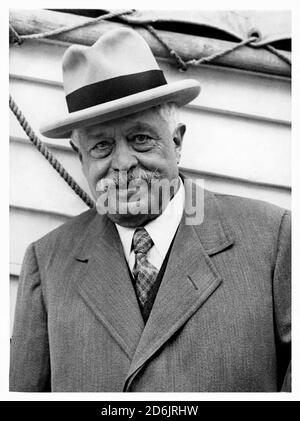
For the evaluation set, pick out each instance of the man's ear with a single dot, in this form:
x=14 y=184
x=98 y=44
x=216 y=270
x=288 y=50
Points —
x=178 y=139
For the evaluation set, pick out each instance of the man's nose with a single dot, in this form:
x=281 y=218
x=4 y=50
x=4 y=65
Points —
x=123 y=156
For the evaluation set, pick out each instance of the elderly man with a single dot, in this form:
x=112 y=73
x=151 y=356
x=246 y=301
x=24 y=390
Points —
x=135 y=295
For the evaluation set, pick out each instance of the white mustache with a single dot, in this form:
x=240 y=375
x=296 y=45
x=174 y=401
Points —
x=122 y=178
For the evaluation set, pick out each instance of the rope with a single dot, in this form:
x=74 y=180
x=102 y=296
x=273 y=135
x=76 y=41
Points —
x=20 y=38
x=14 y=37
x=180 y=62
x=196 y=62
x=278 y=54
x=183 y=65
x=42 y=148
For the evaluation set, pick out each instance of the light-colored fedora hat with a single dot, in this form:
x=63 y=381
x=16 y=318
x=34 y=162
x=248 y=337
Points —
x=115 y=77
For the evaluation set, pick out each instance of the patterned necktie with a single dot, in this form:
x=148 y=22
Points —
x=144 y=272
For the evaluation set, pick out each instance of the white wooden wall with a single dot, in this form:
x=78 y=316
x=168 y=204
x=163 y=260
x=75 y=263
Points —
x=237 y=139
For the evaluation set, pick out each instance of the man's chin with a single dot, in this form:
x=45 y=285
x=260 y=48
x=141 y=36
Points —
x=130 y=213
x=131 y=221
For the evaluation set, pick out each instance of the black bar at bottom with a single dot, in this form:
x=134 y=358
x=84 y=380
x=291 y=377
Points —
x=160 y=410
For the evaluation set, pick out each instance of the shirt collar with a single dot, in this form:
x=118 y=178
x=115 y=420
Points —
x=161 y=229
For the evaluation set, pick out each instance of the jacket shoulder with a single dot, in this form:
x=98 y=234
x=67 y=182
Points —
x=66 y=233
x=252 y=213
x=249 y=205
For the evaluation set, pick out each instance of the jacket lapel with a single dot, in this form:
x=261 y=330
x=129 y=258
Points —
x=189 y=280
x=104 y=284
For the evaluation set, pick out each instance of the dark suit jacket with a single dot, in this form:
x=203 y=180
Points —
x=220 y=321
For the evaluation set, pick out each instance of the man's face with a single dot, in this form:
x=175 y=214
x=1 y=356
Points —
x=138 y=144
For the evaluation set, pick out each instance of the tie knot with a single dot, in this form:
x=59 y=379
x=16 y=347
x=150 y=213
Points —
x=142 y=242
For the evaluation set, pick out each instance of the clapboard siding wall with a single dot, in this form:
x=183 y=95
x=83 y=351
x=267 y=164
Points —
x=238 y=140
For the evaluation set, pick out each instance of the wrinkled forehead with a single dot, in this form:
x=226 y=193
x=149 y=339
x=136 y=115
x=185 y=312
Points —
x=148 y=119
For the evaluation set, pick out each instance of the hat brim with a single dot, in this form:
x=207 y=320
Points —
x=181 y=93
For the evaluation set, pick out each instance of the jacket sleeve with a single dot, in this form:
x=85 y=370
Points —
x=282 y=303
x=29 y=354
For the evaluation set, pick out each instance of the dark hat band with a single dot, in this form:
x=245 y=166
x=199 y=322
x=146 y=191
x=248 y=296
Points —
x=112 y=89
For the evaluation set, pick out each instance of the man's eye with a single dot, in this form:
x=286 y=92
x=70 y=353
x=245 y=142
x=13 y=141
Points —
x=142 y=142
x=100 y=149
x=141 y=138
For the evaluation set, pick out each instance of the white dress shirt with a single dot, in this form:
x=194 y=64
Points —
x=161 y=229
